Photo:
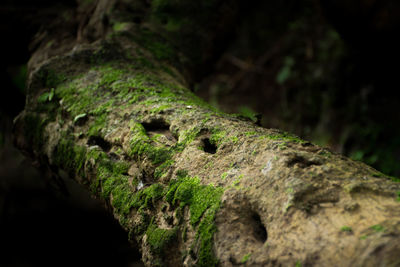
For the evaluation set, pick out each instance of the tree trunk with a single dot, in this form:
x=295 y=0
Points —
x=109 y=104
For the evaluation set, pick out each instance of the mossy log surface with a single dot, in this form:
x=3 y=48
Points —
x=191 y=185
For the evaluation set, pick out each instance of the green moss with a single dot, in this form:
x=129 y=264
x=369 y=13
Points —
x=298 y=264
x=106 y=179
x=205 y=235
x=282 y=146
x=346 y=229
x=121 y=167
x=70 y=157
x=236 y=182
x=377 y=228
x=121 y=194
x=224 y=175
x=234 y=139
x=149 y=196
x=189 y=191
x=98 y=125
x=249 y=113
x=163 y=168
x=160 y=108
x=140 y=227
x=99 y=157
x=217 y=136
x=141 y=145
x=110 y=75
x=251 y=133
x=290 y=190
x=203 y=202
x=182 y=174
x=246 y=258
x=93 y=98
x=71 y=103
x=209 y=165
x=112 y=176
x=188 y=136
x=159 y=238
x=207 y=117
x=283 y=136
x=124 y=199
x=155 y=137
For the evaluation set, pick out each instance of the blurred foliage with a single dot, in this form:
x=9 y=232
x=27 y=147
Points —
x=289 y=64
x=286 y=70
x=249 y=113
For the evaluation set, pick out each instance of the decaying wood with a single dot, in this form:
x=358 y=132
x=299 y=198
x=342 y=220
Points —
x=193 y=186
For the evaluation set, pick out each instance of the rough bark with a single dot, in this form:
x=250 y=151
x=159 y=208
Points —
x=110 y=105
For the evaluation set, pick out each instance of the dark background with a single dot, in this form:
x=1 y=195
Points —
x=325 y=70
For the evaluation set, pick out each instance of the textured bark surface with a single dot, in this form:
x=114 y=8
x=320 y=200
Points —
x=110 y=105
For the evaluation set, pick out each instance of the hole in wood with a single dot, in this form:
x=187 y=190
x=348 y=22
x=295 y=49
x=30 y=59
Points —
x=160 y=127
x=259 y=231
x=99 y=141
x=156 y=125
x=208 y=146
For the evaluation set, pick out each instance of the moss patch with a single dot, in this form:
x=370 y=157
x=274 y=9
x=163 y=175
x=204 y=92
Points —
x=246 y=258
x=217 y=136
x=377 y=228
x=163 y=168
x=346 y=229
x=69 y=156
x=159 y=238
x=203 y=202
x=141 y=144
x=284 y=136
